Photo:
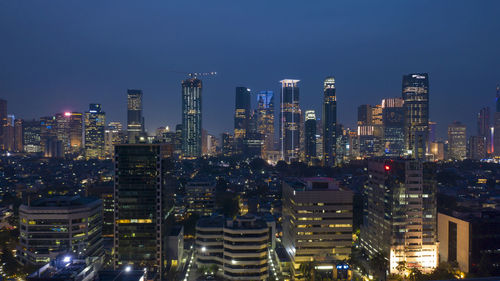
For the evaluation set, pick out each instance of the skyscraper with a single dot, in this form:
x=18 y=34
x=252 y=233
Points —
x=3 y=123
x=69 y=130
x=400 y=214
x=18 y=135
x=241 y=116
x=496 y=126
x=32 y=136
x=457 y=141
x=135 y=120
x=329 y=122
x=139 y=206
x=394 y=126
x=484 y=127
x=477 y=147
x=290 y=120
x=310 y=135
x=365 y=114
x=95 y=124
x=416 y=101
x=191 y=118
x=265 y=120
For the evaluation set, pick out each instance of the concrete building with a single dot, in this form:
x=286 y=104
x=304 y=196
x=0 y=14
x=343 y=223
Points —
x=457 y=141
x=59 y=225
x=317 y=221
x=200 y=197
x=239 y=246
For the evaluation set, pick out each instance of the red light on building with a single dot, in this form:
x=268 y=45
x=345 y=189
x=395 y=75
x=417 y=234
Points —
x=387 y=167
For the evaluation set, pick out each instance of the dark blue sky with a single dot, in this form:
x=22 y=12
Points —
x=63 y=54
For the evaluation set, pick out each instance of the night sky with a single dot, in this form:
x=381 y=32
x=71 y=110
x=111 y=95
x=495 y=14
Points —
x=61 y=55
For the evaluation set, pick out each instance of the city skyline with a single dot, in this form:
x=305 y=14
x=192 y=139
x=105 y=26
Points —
x=458 y=53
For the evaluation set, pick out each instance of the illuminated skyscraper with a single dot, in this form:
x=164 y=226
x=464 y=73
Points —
x=329 y=122
x=95 y=124
x=191 y=118
x=265 y=119
x=496 y=124
x=400 y=214
x=241 y=116
x=290 y=120
x=416 y=101
x=32 y=136
x=135 y=120
x=113 y=135
x=3 y=123
x=139 y=206
x=69 y=130
x=18 y=135
x=394 y=126
x=365 y=114
x=477 y=147
x=484 y=127
x=310 y=135
x=457 y=141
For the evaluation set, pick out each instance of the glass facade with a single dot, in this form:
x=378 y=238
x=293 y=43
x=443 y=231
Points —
x=290 y=120
x=95 y=124
x=329 y=122
x=191 y=118
x=135 y=120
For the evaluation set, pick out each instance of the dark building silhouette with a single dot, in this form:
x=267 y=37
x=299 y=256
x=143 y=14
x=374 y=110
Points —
x=329 y=122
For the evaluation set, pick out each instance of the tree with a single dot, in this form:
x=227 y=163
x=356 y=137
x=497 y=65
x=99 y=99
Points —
x=416 y=274
x=307 y=270
x=379 y=264
x=401 y=268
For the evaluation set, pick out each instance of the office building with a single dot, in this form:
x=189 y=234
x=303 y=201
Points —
x=32 y=136
x=310 y=135
x=400 y=214
x=48 y=130
x=416 y=103
x=95 y=125
x=365 y=114
x=484 y=125
x=68 y=268
x=239 y=246
x=265 y=120
x=227 y=144
x=457 y=141
x=69 y=130
x=496 y=125
x=394 y=127
x=135 y=119
x=139 y=206
x=18 y=135
x=113 y=135
x=200 y=197
x=329 y=122
x=191 y=118
x=106 y=194
x=317 y=221
x=3 y=123
x=59 y=225
x=477 y=148
x=289 y=120
x=241 y=117
x=437 y=151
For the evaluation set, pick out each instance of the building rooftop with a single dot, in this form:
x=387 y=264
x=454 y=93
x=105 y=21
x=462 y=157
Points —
x=63 y=201
x=315 y=183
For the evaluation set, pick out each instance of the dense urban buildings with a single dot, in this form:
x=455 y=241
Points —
x=457 y=141
x=60 y=226
x=416 y=102
x=400 y=214
x=290 y=120
x=265 y=120
x=191 y=118
x=329 y=122
x=317 y=221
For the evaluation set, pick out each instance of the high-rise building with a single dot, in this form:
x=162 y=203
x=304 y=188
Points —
x=191 y=118
x=310 y=135
x=135 y=119
x=32 y=136
x=265 y=120
x=69 y=130
x=477 y=147
x=365 y=114
x=3 y=122
x=18 y=135
x=416 y=102
x=289 y=120
x=239 y=246
x=484 y=127
x=329 y=122
x=400 y=214
x=394 y=127
x=200 y=197
x=60 y=225
x=139 y=206
x=113 y=135
x=457 y=141
x=317 y=221
x=496 y=126
x=9 y=133
x=227 y=144
x=241 y=116
x=95 y=124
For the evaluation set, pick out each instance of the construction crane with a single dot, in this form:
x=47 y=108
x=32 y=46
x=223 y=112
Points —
x=196 y=74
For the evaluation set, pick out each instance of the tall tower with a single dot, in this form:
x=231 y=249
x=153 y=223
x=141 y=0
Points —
x=95 y=124
x=3 y=123
x=310 y=135
x=329 y=122
x=265 y=119
x=394 y=126
x=416 y=100
x=135 y=120
x=191 y=118
x=290 y=120
x=457 y=141
x=139 y=206
x=496 y=124
x=484 y=127
x=241 y=116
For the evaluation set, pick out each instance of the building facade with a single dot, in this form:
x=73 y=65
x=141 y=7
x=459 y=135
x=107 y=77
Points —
x=242 y=113
x=310 y=135
x=329 y=122
x=457 y=141
x=290 y=120
x=200 y=197
x=394 y=127
x=95 y=125
x=265 y=120
x=191 y=118
x=135 y=119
